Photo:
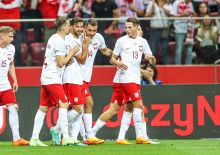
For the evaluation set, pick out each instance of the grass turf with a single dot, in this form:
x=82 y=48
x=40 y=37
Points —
x=166 y=147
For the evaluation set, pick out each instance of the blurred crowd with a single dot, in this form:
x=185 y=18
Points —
x=180 y=40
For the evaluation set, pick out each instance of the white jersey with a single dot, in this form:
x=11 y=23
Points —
x=130 y=51
x=51 y=72
x=73 y=73
x=96 y=43
x=6 y=57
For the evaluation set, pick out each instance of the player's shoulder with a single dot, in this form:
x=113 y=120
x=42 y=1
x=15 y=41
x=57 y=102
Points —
x=11 y=48
x=55 y=38
x=69 y=38
x=141 y=39
x=123 y=38
x=98 y=36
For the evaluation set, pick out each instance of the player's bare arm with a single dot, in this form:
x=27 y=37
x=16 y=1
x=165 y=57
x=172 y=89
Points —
x=13 y=76
x=115 y=61
x=150 y=58
x=63 y=60
x=81 y=58
x=107 y=52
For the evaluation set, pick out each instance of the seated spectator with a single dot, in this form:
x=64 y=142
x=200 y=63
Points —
x=149 y=74
x=206 y=41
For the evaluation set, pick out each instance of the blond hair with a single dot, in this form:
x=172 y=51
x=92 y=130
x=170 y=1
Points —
x=210 y=28
x=6 y=29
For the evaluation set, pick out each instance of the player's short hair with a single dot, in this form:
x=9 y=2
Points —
x=6 y=29
x=133 y=20
x=76 y=20
x=92 y=22
x=60 y=21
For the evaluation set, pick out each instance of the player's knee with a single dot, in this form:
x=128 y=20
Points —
x=43 y=109
x=138 y=104
x=64 y=105
x=114 y=112
x=128 y=107
x=91 y=103
x=88 y=107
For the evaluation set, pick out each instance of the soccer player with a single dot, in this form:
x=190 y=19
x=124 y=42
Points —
x=116 y=103
x=7 y=96
x=73 y=80
x=128 y=111
x=130 y=49
x=97 y=42
x=52 y=93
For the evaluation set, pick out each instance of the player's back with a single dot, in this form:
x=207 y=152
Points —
x=51 y=72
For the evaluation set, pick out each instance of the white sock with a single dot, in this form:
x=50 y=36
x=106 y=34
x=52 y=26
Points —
x=98 y=125
x=76 y=127
x=144 y=130
x=38 y=123
x=57 y=128
x=125 y=122
x=13 y=121
x=82 y=131
x=70 y=128
x=71 y=116
x=63 y=122
x=88 y=124
x=138 y=122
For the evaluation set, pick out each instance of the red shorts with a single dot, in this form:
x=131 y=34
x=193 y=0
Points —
x=7 y=96
x=131 y=92
x=75 y=93
x=117 y=95
x=86 y=88
x=52 y=95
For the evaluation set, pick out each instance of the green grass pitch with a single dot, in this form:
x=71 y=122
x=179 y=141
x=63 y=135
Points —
x=166 y=147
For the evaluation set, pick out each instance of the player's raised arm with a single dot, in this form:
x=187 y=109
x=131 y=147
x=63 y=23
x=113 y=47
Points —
x=81 y=58
x=63 y=60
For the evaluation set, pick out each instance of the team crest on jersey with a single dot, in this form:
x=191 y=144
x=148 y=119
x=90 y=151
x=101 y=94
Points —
x=76 y=99
x=141 y=48
x=136 y=94
x=95 y=46
x=9 y=56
